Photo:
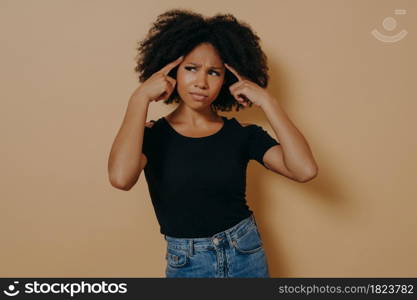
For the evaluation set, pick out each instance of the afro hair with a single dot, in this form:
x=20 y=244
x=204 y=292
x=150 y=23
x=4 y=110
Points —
x=178 y=31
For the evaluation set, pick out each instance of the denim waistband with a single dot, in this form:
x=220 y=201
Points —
x=229 y=234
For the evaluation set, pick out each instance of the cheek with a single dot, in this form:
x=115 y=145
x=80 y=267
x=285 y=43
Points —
x=184 y=78
x=217 y=83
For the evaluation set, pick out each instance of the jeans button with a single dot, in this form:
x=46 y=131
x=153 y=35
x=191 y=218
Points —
x=216 y=241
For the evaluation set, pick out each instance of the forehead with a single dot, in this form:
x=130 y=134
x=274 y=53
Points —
x=204 y=54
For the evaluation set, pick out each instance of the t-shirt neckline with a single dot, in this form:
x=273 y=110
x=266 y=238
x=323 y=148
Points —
x=195 y=138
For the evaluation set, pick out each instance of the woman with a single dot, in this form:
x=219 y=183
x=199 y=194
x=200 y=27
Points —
x=194 y=159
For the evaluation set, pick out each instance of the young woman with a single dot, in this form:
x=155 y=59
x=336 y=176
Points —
x=194 y=159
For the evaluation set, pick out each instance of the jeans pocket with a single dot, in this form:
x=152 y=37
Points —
x=176 y=258
x=249 y=242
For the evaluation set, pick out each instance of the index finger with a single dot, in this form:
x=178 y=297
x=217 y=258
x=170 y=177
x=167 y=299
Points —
x=171 y=65
x=234 y=72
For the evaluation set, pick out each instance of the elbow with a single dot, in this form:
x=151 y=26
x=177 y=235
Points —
x=310 y=175
x=119 y=184
x=121 y=187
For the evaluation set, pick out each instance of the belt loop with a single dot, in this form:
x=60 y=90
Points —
x=253 y=218
x=191 y=246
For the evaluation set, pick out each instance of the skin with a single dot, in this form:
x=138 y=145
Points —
x=293 y=158
x=201 y=71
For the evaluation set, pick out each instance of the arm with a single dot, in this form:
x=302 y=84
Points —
x=293 y=158
x=126 y=160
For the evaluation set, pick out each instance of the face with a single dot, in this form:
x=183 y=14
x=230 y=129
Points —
x=201 y=72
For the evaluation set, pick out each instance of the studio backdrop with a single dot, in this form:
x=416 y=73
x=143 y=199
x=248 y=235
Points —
x=344 y=71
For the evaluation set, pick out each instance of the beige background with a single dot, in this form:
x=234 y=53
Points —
x=67 y=74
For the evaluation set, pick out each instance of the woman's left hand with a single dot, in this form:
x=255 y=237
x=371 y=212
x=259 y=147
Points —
x=245 y=90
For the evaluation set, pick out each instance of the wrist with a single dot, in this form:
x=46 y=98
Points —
x=140 y=100
x=269 y=101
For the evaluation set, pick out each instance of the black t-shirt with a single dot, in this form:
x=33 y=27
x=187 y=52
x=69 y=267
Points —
x=197 y=184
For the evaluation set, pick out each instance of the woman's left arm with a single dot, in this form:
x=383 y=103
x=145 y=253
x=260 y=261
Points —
x=293 y=157
x=296 y=153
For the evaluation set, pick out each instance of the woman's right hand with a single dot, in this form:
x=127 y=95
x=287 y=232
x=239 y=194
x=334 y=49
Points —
x=159 y=86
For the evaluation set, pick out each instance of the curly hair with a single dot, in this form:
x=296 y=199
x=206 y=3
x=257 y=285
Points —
x=178 y=31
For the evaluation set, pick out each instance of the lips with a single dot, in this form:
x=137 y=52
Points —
x=198 y=96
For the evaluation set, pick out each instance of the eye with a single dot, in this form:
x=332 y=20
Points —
x=217 y=73
x=188 y=68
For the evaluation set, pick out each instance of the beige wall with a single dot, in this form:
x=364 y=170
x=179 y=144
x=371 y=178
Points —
x=67 y=73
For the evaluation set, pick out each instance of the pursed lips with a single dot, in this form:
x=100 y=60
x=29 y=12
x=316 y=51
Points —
x=198 y=94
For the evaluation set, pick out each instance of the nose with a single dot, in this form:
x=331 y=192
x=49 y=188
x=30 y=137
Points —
x=201 y=80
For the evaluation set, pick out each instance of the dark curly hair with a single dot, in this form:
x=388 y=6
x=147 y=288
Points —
x=178 y=31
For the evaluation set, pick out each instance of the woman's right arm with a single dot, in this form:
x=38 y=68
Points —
x=126 y=160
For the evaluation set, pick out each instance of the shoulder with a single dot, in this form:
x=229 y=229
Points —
x=247 y=130
x=251 y=129
x=150 y=129
x=150 y=124
x=154 y=128
x=243 y=124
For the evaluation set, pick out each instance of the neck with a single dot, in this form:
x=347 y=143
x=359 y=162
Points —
x=185 y=114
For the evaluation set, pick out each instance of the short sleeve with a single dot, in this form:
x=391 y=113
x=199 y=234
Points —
x=148 y=141
x=259 y=141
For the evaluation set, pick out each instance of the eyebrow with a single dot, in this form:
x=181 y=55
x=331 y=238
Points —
x=212 y=67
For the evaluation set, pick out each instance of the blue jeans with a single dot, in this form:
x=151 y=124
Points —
x=234 y=252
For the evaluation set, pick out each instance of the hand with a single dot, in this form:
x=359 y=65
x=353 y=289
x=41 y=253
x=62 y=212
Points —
x=159 y=86
x=246 y=91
